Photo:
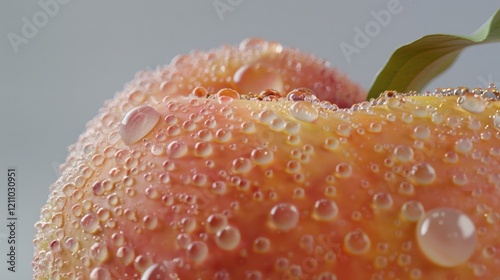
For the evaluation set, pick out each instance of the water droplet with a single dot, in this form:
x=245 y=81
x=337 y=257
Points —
x=302 y=94
x=57 y=220
x=248 y=127
x=137 y=123
x=262 y=156
x=344 y=130
x=421 y=132
x=472 y=103
x=228 y=238
x=459 y=179
x=199 y=92
x=375 y=127
x=125 y=254
x=173 y=130
x=423 y=174
x=223 y=135
x=293 y=166
x=382 y=201
x=330 y=191
x=216 y=222
x=277 y=124
x=157 y=149
x=496 y=120
x=261 y=245
x=325 y=210
x=298 y=193
x=304 y=111
x=99 y=252
x=197 y=251
x=98 y=160
x=292 y=127
x=241 y=165
x=489 y=251
x=412 y=211
x=219 y=188
x=403 y=153
x=150 y=222
x=159 y=271
x=463 y=145
x=284 y=216
x=227 y=92
x=343 y=170
x=100 y=273
x=357 y=242
x=331 y=144
x=142 y=262
x=176 y=149
x=90 y=223
x=446 y=236
x=203 y=149
x=256 y=77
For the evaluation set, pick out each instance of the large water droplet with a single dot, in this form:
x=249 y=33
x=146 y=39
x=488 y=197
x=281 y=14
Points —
x=125 y=254
x=137 y=123
x=463 y=145
x=197 y=251
x=262 y=156
x=403 y=153
x=382 y=201
x=256 y=77
x=228 y=238
x=90 y=223
x=159 y=271
x=496 y=120
x=177 y=149
x=304 y=111
x=284 y=216
x=100 y=273
x=302 y=94
x=423 y=174
x=472 y=103
x=421 y=132
x=99 y=252
x=325 y=210
x=203 y=149
x=446 y=236
x=357 y=242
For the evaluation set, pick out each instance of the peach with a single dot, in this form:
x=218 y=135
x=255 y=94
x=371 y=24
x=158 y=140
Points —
x=244 y=163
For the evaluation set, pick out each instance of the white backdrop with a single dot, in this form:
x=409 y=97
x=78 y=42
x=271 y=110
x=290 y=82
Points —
x=60 y=59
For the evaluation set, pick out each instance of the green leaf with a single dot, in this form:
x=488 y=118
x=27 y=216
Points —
x=414 y=65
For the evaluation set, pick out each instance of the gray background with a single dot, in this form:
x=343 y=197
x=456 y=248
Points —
x=88 y=50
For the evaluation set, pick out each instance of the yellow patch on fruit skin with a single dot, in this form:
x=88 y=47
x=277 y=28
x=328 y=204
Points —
x=231 y=185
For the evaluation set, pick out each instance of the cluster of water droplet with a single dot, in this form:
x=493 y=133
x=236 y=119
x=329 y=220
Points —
x=195 y=168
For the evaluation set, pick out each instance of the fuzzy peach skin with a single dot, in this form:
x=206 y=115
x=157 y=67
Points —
x=199 y=171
